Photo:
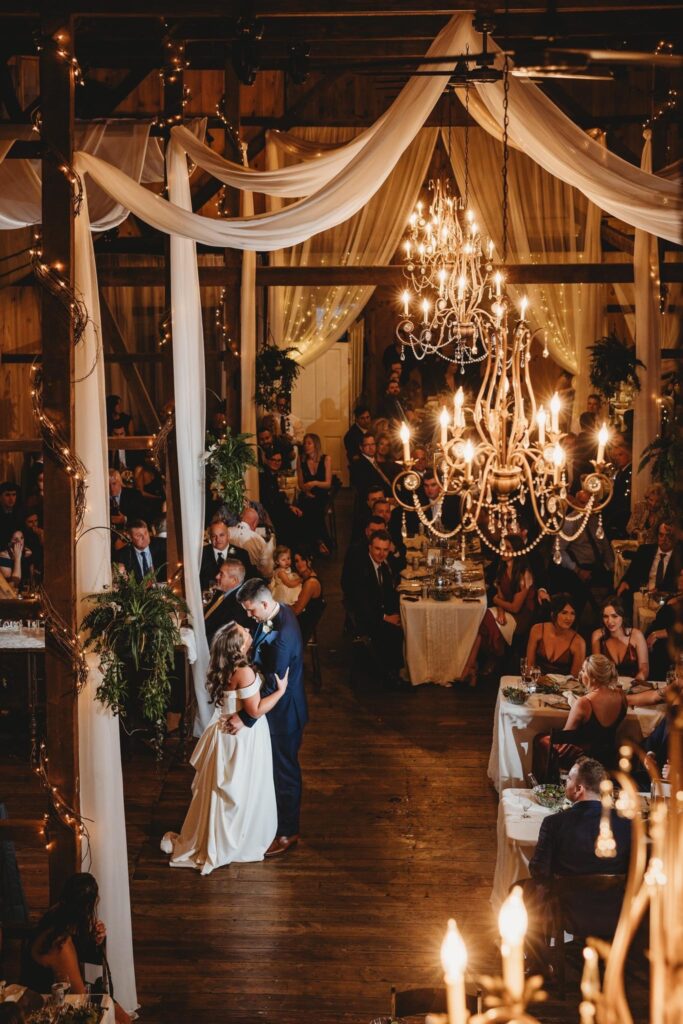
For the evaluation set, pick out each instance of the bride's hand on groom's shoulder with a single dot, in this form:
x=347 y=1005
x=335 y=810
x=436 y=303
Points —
x=282 y=683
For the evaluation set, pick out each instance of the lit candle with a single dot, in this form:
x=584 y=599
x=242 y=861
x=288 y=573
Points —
x=407 y=248
x=404 y=433
x=473 y=229
x=524 y=302
x=470 y=216
x=406 y=302
x=454 y=962
x=425 y=311
x=468 y=455
x=555 y=405
x=419 y=209
x=512 y=924
x=490 y=250
x=461 y=286
x=458 y=401
x=442 y=280
x=498 y=278
x=541 y=417
x=443 y=420
x=603 y=438
x=421 y=250
x=558 y=461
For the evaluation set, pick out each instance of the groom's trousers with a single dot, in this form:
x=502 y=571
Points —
x=287 y=778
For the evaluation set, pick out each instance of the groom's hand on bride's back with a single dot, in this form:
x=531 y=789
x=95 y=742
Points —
x=231 y=724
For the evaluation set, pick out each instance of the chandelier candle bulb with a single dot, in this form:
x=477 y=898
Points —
x=498 y=279
x=454 y=962
x=458 y=401
x=443 y=420
x=468 y=455
x=490 y=250
x=555 y=405
x=523 y=307
x=425 y=311
x=406 y=302
x=603 y=438
x=461 y=287
x=407 y=248
x=512 y=925
x=404 y=434
x=541 y=417
x=558 y=461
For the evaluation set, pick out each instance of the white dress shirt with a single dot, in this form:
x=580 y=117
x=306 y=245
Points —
x=662 y=556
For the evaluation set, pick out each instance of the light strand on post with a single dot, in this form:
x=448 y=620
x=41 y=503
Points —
x=57 y=444
x=60 y=809
x=68 y=642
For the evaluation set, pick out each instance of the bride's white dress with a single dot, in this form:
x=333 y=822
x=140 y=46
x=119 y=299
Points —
x=233 y=814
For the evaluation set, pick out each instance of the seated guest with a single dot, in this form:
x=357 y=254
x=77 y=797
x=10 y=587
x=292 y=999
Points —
x=268 y=438
x=384 y=457
x=314 y=477
x=420 y=458
x=149 y=483
x=35 y=498
x=287 y=519
x=654 y=566
x=10 y=512
x=217 y=551
x=363 y=511
x=593 y=722
x=357 y=551
x=223 y=606
x=371 y=599
x=586 y=553
x=116 y=417
x=617 y=512
x=390 y=403
x=617 y=640
x=287 y=426
x=286 y=583
x=65 y=938
x=243 y=535
x=365 y=473
x=362 y=419
x=310 y=604
x=125 y=503
x=392 y=518
x=33 y=536
x=144 y=554
x=513 y=603
x=594 y=407
x=566 y=847
x=121 y=459
x=443 y=512
x=648 y=514
x=658 y=632
x=16 y=561
x=555 y=646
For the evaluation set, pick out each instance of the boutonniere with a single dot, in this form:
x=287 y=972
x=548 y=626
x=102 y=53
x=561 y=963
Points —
x=267 y=626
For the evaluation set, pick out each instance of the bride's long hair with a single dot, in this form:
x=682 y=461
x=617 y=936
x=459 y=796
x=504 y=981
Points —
x=226 y=656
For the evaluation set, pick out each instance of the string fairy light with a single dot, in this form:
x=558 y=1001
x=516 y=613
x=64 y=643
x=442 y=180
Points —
x=57 y=45
x=50 y=277
x=55 y=441
x=68 y=642
x=157 y=446
x=61 y=810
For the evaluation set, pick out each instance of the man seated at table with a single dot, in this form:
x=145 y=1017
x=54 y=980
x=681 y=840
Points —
x=391 y=517
x=362 y=418
x=655 y=566
x=287 y=519
x=566 y=847
x=217 y=551
x=125 y=504
x=445 y=516
x=365 y=472
x=617 y=512
x=363 y=511
x=144 y=554
x=371 y=600
x=223 y=606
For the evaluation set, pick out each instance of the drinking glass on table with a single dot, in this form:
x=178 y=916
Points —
x=534 y=675
x=524 y=669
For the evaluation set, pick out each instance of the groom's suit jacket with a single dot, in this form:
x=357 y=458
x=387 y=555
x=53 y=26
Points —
x=276 y=650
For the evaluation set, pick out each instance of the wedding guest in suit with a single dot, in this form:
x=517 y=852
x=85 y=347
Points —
x=362 y=418
x=621 y=643
x=125 y=503
x=278 y=647
x=659 y=632
x=655 y=566
x=445 y=516
x=144 y=554
x=391 y=517
x=288 y=426
x=365 y=473
x=618 y=511
x=269 y=439
x=587 y=554
x=121 y=459
x=390 y=403
x=287 y=519
x=223 y=606
x=217 y=551
x=371 y=598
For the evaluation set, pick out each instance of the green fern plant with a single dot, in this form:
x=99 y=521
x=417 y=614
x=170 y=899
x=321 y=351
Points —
x=612 y=364
x=227 y=460
x=135 y=623
x=276 y=374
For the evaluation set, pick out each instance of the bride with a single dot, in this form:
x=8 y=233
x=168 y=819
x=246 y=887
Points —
x=233 y=815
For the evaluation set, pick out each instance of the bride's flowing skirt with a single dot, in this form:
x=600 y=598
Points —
x=233 y=814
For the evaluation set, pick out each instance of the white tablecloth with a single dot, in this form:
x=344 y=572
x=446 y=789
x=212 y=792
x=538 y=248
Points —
x=517 y=838
x=515 y=725
x=187 y=638
x=438 y=637
x=644 y=611
x=14 y=993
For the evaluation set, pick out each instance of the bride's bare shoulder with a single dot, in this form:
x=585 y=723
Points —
x=241 y=677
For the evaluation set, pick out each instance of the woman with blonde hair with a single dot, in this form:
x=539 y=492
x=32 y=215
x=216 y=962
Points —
x=592 y=724
x=648 y=514
x=314 y=472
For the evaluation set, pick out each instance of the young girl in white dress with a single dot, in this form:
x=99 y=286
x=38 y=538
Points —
x=233 y=815
x=286 y=585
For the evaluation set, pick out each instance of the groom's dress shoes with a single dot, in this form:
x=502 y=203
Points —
x=280 y=845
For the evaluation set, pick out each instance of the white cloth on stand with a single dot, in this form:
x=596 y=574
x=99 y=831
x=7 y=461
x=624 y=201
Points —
x=439 y=637
x=519 y=822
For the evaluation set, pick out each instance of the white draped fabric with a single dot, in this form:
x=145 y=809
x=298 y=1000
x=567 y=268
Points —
x=309 y=317
x=248 y=341
x=549 y=222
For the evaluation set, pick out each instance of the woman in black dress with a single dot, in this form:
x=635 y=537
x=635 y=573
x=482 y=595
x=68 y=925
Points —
x=310 y=604
x=314 y=472
x=621 y=643
x=555 y=646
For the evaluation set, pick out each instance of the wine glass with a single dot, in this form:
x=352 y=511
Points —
x=535 y=675
x=526 y=807
x=523 y=669
x=206 y=596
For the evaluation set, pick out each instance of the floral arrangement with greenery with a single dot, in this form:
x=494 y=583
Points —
x=612 y=364
x=135 y=622
x=227 y=460
x=276 y=374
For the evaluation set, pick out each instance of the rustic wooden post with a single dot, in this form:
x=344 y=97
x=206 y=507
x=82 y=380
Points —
x=232 y=257
x=57 y=110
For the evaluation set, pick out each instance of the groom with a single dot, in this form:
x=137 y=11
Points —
x=277 y=647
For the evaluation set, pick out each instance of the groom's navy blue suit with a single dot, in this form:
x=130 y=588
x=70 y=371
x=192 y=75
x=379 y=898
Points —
x=275 y=651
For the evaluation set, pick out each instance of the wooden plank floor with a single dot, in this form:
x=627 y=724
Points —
x=398 y=834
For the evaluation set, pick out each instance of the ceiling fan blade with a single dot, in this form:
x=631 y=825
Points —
x=538 y=74
x=671 y=60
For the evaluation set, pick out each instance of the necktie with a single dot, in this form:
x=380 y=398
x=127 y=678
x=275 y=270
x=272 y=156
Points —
x=146 y=562
x=385 y=586
x=659 y=578
x=283 y=424
x=220 y=558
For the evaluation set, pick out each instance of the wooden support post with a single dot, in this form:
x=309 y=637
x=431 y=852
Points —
x=57 y=108
x=233 y=259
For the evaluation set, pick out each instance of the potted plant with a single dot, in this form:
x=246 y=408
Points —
x=276 y=374
x=227 y=460
x=613 y=366
x=133 y=628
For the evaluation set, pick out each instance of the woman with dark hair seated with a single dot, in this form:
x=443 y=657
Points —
x=657 y=636
x=554 y=646
x=310 y=603
x=620 y=642
x=68 y=935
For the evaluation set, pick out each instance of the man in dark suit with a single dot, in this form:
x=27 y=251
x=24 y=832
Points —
x=566 y=846
x=125 y=503
x=217 y=551
x=365 y=473
x=356 y=432
x=278 y=649
x=445 y=517
x=392 y=519
x=121 y=459
x=143 y=555
x=655 y=566
x=371 y=599
x=287 y=519
x=224 y=606
x=618 y=511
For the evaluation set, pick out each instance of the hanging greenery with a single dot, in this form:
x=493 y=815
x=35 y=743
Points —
x=612 y=364
x=135 y=624
x=664 y=456
x=227 y=460
x=276 y=374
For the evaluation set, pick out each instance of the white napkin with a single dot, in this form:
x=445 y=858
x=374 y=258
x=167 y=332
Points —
x=545 y=700
x=571 y=698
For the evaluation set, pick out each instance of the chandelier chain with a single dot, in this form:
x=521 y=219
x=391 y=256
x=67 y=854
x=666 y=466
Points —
x=467 y=145
x=506 y=153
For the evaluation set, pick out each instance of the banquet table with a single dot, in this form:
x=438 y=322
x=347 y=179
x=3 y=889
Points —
x=13 y=994
x=519 y=822
x=439 y=636
x=515 y=725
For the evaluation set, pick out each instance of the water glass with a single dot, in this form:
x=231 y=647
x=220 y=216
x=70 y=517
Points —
x=523 y=669
x=59 y=990
x=535 y=675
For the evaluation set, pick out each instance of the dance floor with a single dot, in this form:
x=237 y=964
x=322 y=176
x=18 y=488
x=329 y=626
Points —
x=398 y=834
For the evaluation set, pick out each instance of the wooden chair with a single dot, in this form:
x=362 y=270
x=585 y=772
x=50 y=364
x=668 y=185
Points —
x=412 y=1002
x=565 y=886
x=312 y=646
